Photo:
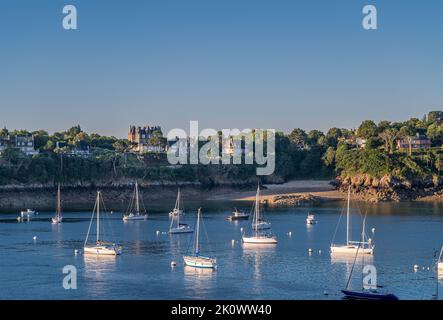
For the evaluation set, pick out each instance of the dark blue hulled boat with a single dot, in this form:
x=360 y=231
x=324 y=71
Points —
x=368 y=295
x=364 y=294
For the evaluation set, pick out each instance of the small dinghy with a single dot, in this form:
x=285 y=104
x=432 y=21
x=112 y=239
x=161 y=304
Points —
x=311 y=219
x=28 y=213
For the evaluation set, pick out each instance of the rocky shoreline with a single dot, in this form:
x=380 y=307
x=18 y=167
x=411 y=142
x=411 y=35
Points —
x=388 y=188
x=290 y=194
x=116 y=197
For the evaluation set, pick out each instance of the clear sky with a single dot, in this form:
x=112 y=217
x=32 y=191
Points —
x=227 y=63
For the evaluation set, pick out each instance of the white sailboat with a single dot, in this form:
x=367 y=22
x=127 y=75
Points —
x=58 y=218
x=177 y=208
x=440 y=263
x=100 y=247
x=363 y=246
x=196 y=260
x=259 y=236
x=178 y=227
x=137 y=215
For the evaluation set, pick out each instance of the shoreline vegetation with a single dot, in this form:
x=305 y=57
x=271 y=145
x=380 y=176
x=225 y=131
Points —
x=387 y=161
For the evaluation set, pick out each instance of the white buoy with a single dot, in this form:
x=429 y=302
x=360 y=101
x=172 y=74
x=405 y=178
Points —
x=289 y=233
x=34 y=238
x=157 y=232
x=232 y=241
x=241 y=229
x=319 y=251
x=173 y=264
x=76 y=252
x=325 y=293
x=373 y=230
x=164 y=232
x=416 y=267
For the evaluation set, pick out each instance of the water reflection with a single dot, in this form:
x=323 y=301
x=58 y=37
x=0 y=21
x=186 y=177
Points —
x=348 y=258
x=345 y=265
x=258 y=254
x=199 y=282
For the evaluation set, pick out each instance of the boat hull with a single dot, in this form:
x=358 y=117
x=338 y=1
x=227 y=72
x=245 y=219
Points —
x=260 y=240
x=360 y=295
x=440 y=266
x=135 y=217
x=200 y=262
x=56 y=220
x=351 y=249
x=181 y=230
x=236 y=218
x=261 y=226
x=102 y=250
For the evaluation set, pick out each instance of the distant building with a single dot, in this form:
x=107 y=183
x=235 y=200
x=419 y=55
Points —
x=5 y=142
x=82 y=149
x=360 y=143
x=140 y=138
x=60 y=144
x=25 y=143
x=416 y=142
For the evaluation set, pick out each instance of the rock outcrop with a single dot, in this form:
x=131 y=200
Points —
x=389 y=188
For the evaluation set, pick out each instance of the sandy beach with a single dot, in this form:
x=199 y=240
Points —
x=317 y=188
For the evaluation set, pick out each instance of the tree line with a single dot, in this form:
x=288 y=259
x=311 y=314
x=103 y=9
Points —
x=299 y=155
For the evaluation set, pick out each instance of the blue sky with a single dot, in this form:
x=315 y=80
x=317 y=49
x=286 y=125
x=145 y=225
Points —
x=229 y=64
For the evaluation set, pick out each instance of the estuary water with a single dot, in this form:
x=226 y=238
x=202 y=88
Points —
x=405 y=235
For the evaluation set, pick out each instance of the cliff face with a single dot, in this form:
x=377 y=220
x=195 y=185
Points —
x=389 y=188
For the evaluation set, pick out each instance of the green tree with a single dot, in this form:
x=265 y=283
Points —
x=435 y=116
x=389 y=136
x=367 y=129
x=332 y=136
x=329 y=157
x=435 y=133
x=298 y=137
x=313 y=137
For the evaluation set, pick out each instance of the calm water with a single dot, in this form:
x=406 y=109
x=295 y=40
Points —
x=406 y=234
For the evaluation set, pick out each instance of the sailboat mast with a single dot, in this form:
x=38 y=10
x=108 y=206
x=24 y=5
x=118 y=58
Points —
x=198 y=231
x=363 y=232
x=98 y=216
x=59 y=206
x=177 y=206
x=177 y=202
x=136 y=198
x=347 y=216
x=257 y=208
